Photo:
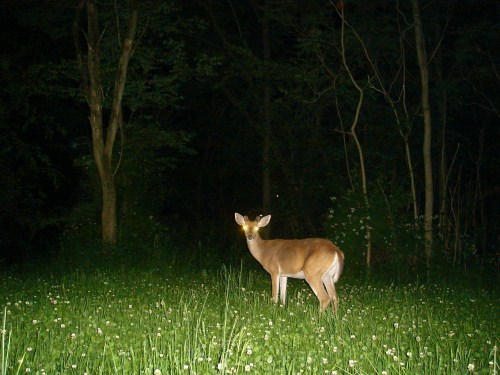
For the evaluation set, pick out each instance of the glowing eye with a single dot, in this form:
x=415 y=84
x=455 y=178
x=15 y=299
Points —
x=255 y=229
x=245 y=227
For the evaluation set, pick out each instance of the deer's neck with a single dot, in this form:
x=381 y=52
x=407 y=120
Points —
x=256 y=247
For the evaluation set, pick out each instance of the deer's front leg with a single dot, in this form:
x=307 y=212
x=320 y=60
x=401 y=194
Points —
x=283 y=280
x=275 y=286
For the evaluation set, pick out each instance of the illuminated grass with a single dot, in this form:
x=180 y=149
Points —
x=161 y=322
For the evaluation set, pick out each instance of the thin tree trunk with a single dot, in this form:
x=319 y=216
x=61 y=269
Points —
x=444 y=227
x=400 y=98
x=482 y=217
x=103 y=138
x=412 y=178
x=266 y=114
x=359 y=147
x=426 y=111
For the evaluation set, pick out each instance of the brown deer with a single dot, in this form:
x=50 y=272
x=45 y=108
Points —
x=316 y=260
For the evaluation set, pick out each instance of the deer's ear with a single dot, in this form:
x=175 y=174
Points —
x=239 y=219
x=264 y=221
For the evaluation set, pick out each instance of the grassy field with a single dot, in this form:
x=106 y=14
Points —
x=128 y=320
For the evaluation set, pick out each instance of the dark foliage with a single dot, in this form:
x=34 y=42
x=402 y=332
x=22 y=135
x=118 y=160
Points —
x=191 y=151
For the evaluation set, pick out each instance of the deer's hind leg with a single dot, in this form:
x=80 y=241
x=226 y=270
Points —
x=330 y=288
x=316 y=284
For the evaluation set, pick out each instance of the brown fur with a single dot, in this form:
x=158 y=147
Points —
x=316 y=260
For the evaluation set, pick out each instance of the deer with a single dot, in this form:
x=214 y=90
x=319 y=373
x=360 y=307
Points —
x=317 y=260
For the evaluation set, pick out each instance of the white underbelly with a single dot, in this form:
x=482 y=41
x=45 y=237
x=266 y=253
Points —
x=298 y=275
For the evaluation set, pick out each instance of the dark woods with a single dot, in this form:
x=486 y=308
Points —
x=145 y=125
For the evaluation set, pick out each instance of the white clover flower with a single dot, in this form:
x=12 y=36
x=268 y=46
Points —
x=352 y=363
x=471 y=367
x=247 y=368
x=157 y=372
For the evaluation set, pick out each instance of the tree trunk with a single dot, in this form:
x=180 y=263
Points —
x=426 y=111
x=482 y=223
x=359 y=147
x=266 y=114
x=444 y=226
x=103 y=139
x=108 y=208
x=409 y=163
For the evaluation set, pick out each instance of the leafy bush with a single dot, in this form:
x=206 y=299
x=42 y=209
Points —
x=395 y=237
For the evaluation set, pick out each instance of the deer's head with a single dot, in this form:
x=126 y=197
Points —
x=251 y=228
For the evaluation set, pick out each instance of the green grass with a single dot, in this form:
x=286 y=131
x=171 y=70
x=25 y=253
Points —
x=163 y=320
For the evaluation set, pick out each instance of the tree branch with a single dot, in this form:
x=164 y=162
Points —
x=79 y=52
x=120 y=79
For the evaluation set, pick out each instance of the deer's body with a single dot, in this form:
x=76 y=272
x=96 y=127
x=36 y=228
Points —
x=316 y=260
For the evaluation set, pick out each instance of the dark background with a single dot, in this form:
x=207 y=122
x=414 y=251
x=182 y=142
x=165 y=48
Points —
x=195 y=118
